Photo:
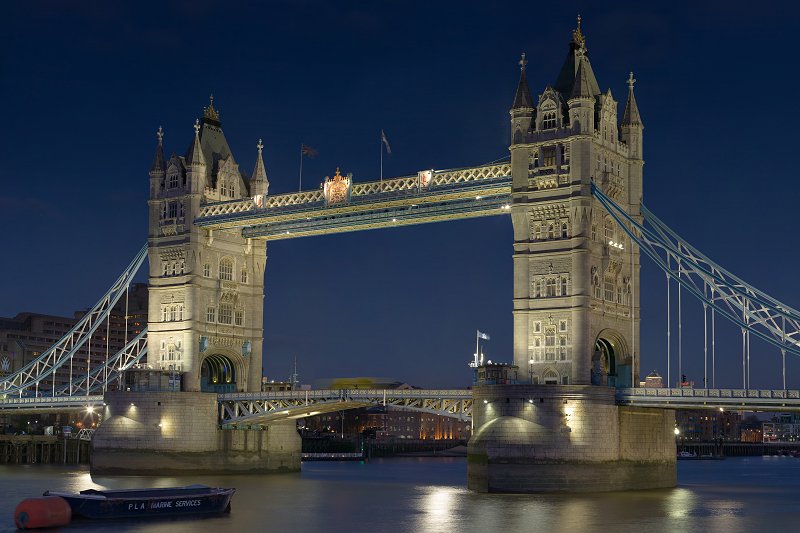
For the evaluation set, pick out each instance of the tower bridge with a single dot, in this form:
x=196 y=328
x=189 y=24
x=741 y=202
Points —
x=573 y=190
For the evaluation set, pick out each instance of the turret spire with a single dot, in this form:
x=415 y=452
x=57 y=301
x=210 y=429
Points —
x=210 y=113
x=195 y=156
x=159 y=164
x=259 y=184
x=631 y=115
x=523 y=97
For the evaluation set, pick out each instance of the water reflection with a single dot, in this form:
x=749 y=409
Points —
x=430 y=495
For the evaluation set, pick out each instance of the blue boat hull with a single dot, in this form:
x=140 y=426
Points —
x=147 y=502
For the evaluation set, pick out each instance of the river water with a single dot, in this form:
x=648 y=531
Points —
x=430 y=494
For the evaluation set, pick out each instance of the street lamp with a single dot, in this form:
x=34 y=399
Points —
x=530 y=370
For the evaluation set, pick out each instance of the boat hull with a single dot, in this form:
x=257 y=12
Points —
x=147 y=503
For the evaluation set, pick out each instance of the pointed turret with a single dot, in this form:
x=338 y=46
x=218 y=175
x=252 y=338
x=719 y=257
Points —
x=259 y=184
x=631 y=115
x=581 y=87
x=522 y=111
x=523 y=97
x=159 y=166
x=631 y=126
x=577 y=55
x=581 y=101
x=159 y=163
x=196 y=163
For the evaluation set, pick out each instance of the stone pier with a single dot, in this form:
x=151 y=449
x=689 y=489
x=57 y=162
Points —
x=155 y=433
x=567 y=438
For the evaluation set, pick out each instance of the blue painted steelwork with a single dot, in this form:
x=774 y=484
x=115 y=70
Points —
x=739 y=302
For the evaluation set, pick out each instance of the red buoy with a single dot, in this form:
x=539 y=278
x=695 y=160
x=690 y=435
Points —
x=47 y=511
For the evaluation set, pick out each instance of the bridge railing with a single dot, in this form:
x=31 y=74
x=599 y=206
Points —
x=712 y=393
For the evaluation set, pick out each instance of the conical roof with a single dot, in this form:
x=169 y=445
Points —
x=159 y=163
x=631 y=116
x=523 y=97
x=576 y=57
x=582 y=86
x=195 y=155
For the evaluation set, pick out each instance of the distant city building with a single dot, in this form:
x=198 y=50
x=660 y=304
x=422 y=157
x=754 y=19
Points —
x=784 y=427
x=27 y=335
x=707 y=425
x=390 y=422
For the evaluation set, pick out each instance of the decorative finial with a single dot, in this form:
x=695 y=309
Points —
x=260 y=146
x=160 y=135
x=210 y=112
x=196 y=127
x=578 y=37
x=523 y=62
x=211 y=98
x=631 y=81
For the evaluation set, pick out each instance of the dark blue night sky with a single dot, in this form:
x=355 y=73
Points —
x=85 y=85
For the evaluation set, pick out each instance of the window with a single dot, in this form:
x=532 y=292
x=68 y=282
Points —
x=551 y=286
x=551 y=231
x=564 y=154
x=536 y=290
x=164 y=314
x=171 y=352
x=173 y=210
x=537 y=231
x=564 y=230
x=550 y=377
x=548 y=120
x=244 y=276
x=207 y=270
x=173 y=313
x=549 y=156
x=173 y=180
x=609 y=290
x=225 y=313
x=226 y=270
x=594 y=232
x=238 y=317
x=562 y=325
x=608 y=229
x=223 y=188
x=597 y=289
x=563 y=285
x=164 y=268
x=211 y=314
x=537 y=327
x=562 y=348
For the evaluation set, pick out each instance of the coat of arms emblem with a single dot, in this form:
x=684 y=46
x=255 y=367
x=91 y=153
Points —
x=337 y=188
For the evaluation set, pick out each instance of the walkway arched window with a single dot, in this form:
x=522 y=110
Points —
x=551 y=231
x=226 y=270
x=225 y=313
x=551 y=286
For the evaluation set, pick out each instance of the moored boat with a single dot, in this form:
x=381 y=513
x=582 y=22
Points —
x=140 y=503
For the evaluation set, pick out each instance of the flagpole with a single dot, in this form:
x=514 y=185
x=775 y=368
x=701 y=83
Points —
x=380 y=142
x=477 y=337
x=301 y=168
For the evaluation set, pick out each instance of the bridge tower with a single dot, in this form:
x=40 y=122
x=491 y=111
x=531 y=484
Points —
x=205 y=315
x=550 y=423
x=576 y=307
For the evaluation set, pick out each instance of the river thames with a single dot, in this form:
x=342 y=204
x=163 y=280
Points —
x=430 y=494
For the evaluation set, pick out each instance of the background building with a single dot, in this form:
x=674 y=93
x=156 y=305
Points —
x=708 y=425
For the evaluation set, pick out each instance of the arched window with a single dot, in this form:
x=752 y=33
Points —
x=180 y=312
x=211 y=313
x=551 y=286
x=173 y=313
x=550 y=377
x=223 y=188
x=225 y=313
x=244 y=276
x=594 y=232
x=548 y=120
x=226 y=270
x=608 y=229
x=551 y=231
x=207 y=270
x=171 y=352
x=238 y=317
x=564 y=230
x=173 y=180
x=164 y=314
x=563 y=285
x=537 y=231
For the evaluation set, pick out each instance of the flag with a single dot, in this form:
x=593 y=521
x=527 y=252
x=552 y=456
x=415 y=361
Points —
x=385 y=142
x=484 y=336
x=308 y=151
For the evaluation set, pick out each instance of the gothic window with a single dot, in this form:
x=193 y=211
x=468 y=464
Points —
x=608 y=229
x=619 y=295
x=244 y=276
x=537 y=231
x=173 y=268
x=164 y=268
x=551 y=286
x=536 y=292
x=232 y=191
x=173 y=180
x=238 y=317
x=171 y=352
x=173 y=313
x=226 y=270
x=563 y=285
x=564 y=230
x=549 y=156
x=548 y=120
x=164 y=314
x=537 y=348
x=164 y=210
x=180 y=312
x=223 y=188
x=609 y=290
x=594 y=232
x=550 y=377
x=565 y=154
x=182 y=267
x=537 y=327
x=211 y=314
x=562 y=347
x=173 y=210
x=535 y=159
x=550 y=343
x=562 y=325
x=225 y=313
x=207 y=270
x=551 y=231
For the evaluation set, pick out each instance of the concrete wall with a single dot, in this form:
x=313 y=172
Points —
x=177 y=432
x=543 y=438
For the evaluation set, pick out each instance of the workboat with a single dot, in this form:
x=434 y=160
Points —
x=141 y=503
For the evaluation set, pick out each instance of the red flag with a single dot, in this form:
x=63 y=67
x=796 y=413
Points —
x=308 y=151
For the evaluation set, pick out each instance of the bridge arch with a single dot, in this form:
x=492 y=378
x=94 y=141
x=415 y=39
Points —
x=611 y=360
x=221 y=373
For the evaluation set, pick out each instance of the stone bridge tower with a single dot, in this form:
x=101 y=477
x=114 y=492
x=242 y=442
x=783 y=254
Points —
x=205 y=315
x=576 y=275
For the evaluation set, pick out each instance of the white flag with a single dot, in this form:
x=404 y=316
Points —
x=484 y=336
x=383 y=139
